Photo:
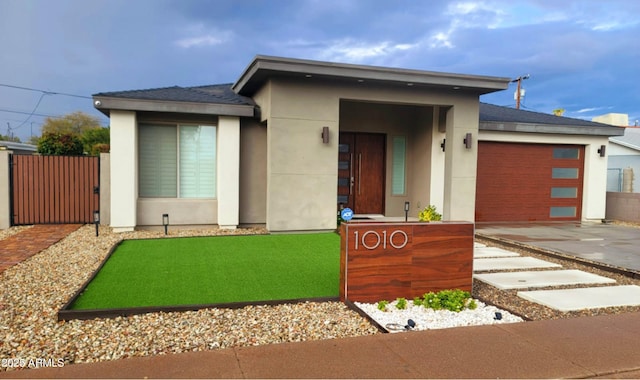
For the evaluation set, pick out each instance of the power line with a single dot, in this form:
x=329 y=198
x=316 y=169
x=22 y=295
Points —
x=44 y=91
x=32 y=112
x=29 y=113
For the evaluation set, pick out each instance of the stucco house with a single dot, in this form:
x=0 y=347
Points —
x=624 y=162
x=292 y=140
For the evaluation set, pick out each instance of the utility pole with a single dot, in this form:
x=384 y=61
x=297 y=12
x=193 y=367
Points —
x=518 y=94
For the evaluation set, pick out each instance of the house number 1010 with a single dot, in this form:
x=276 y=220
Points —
x=384 y=239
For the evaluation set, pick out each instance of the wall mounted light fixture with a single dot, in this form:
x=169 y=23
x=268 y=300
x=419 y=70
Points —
x=165 y=222
x=468 y=141
x=602 y=150
x=325 y=135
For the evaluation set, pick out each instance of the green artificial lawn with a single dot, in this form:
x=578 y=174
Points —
x=207 y=270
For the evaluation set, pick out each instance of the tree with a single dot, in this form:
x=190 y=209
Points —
x=86 y=128
x=558 y=111
x=74 y=123
x=60 y=144
x=95 y=140
x=10 y=138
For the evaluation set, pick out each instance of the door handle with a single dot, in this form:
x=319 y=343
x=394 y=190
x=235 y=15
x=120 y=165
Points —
x=351 y=173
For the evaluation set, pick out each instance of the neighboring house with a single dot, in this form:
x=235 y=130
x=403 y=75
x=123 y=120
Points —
x=18 y=148
x=624 y=154
x=293 y=140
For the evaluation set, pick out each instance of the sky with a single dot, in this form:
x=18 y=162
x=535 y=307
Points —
x=582 y=55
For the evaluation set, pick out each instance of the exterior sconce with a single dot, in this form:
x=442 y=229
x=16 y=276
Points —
x=602 y=150
x=467 y=141
x=96 y=220
x=443 y=144
x=406 y=211
x=325 y=135
x=165 y=222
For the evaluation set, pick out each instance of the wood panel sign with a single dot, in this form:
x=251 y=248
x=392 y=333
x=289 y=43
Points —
x=384 y=261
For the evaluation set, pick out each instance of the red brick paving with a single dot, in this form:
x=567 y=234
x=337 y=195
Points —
x=21 y=246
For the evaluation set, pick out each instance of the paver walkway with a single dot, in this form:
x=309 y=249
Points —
x=21 y=246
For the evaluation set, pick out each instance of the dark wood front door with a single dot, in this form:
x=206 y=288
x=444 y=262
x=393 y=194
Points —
x=361 y=169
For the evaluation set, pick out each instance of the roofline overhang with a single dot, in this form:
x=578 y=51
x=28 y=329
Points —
x=587 y=130
x=105 y=104
x=624 y=144
x=262 y=67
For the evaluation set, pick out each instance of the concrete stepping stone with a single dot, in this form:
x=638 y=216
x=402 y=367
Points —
x=585 y=298
x=538 y=279
x=508 y=263
x=484 y=252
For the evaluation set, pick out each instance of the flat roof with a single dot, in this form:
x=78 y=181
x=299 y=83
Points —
x=262 y=67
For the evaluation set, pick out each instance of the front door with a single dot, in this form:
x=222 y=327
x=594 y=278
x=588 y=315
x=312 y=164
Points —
x=361 y=172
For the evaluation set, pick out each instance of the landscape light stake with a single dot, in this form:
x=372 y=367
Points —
x=96 y=220
x=406 y=211
x=165 y=222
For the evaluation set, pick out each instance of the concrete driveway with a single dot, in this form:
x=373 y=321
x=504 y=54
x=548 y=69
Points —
x=609 y=244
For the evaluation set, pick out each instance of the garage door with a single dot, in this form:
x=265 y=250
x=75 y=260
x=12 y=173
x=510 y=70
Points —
x=529 y=182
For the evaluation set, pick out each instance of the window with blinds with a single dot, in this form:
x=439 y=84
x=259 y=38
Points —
x=177 y=161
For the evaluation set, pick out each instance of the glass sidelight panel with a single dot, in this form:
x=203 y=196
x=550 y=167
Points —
x=398 y=166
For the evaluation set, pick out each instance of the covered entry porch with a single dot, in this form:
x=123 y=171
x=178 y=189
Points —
x=368 y=137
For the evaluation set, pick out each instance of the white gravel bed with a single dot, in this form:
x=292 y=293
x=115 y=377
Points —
x=394 y=319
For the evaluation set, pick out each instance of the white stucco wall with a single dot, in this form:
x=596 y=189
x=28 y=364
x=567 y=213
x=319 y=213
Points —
x=5 y=207
x=228 y=171
x=594 y=196
x=124 y=170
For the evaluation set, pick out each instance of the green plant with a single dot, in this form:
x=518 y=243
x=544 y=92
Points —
x=417 y=301
x=453 y=300
x=60 y=144
x=382 y=305
x=401 y=303
x=429 y=214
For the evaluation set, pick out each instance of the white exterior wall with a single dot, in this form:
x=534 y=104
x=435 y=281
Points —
x=5 y=207
x=228 y=171
x=594 y=194
x=124 y=170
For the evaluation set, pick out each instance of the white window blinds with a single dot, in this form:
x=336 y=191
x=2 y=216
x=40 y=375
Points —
x=197 y=162
x=157 y=161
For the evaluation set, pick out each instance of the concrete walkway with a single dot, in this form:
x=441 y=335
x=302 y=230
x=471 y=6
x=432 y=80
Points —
x=588 y=347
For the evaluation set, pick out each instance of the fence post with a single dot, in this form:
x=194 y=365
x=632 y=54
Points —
x=5 y=195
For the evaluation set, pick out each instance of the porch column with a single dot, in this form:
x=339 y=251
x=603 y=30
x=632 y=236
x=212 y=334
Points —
x=124 y=170
x=5 y=191
x=461 y=162
x=228 y=171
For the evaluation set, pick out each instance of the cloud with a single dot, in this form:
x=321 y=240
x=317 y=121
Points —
x=352 y=50
x=201 y=37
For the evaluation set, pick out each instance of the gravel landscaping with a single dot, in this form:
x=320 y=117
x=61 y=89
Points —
x=34 y=291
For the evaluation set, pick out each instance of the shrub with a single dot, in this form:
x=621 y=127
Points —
x=60 y=144
x=382 y=305
x=401 y=303
x=453 y=300
x=429 y=214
